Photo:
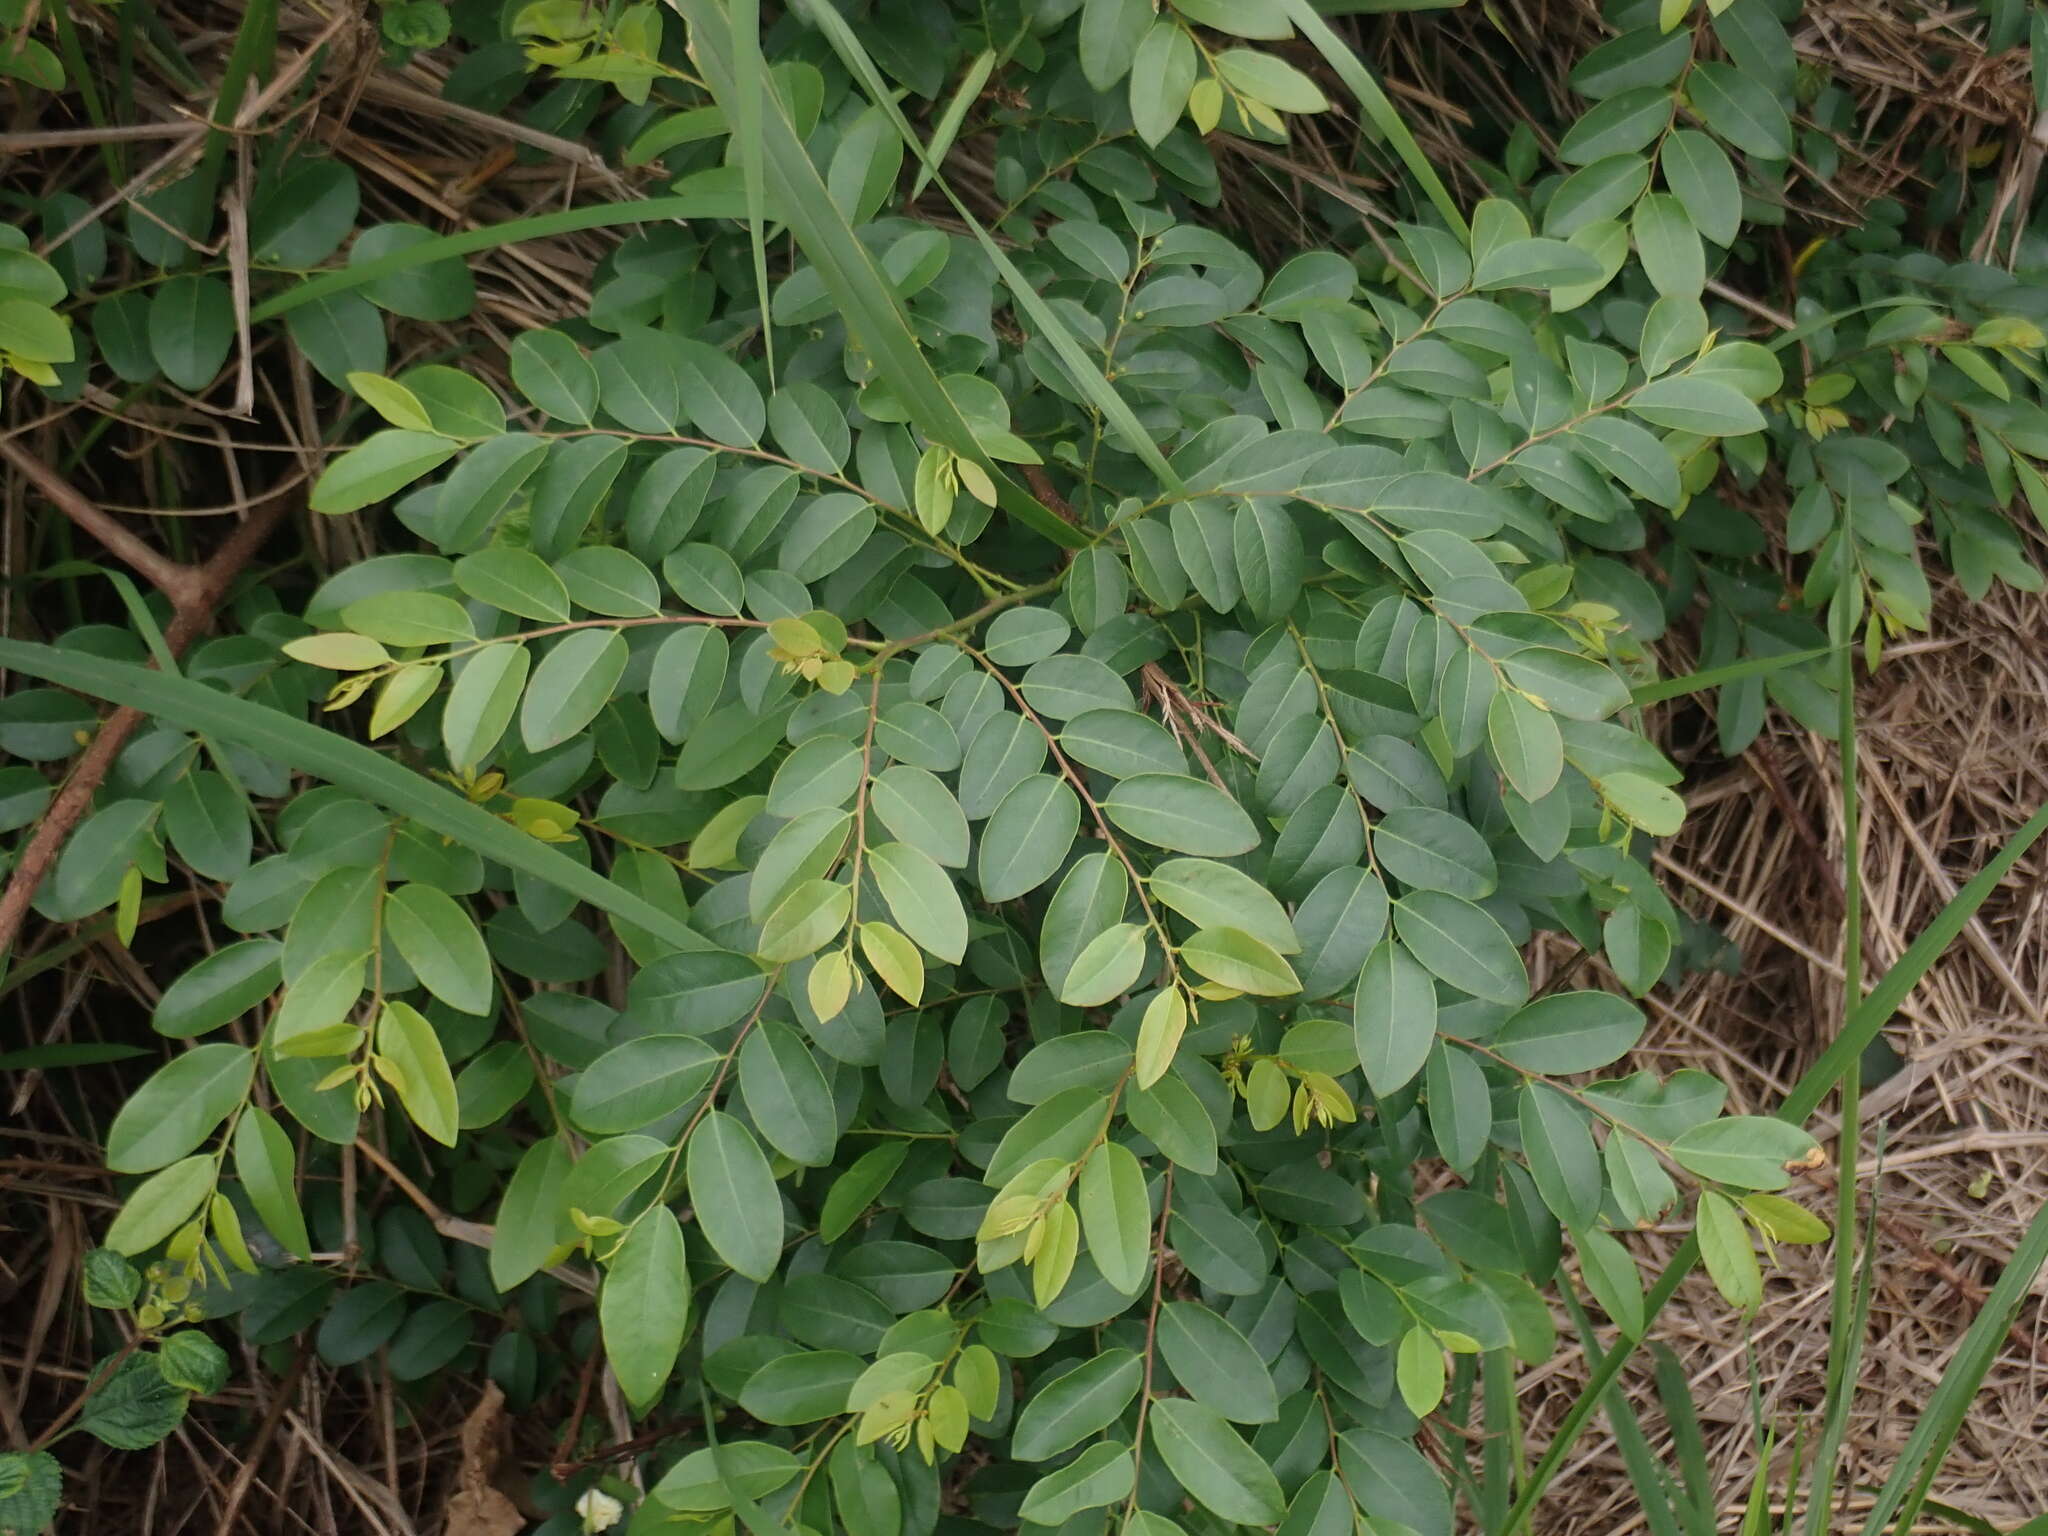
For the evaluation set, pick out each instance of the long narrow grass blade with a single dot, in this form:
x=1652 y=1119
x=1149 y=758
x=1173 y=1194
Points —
x=80 y=75
x=1840 y=1393
x=1756 y=1514
x=758 y=1521
x=1845 y=1324
x=1882 y=1001
x=1101 y=393
x=1862 y=1025
x=653 y=210
x=336 y=759
x=750 y=74
x=1497 y=1459
x=1714 y=677
x=1379 y=109
x=1942 y=1419
x=1814 y=324
x=1977 y=1525
x=950 y=120
x=255 y=47
x=1457 y=1404
x=1652 y=1484
x=850 y=274
x=1674 y=1390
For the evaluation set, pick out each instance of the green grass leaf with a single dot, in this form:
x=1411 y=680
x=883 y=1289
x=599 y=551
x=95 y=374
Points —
x=325 y=755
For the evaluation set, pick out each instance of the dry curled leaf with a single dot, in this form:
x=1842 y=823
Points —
x=479 y=1508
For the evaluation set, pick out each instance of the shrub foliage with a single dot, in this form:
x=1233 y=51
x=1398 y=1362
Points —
x=955 y=804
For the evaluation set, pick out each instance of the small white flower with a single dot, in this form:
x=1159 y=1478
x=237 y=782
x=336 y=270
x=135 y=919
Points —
x=600 y=1511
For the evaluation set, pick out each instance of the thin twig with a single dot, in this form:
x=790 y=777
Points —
x=175 y=581
x=194 y=591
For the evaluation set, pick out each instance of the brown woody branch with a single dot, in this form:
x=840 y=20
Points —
x=194 y=591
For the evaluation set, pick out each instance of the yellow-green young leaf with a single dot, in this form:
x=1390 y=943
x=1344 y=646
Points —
x=1010 y=1228
x=805 y=920
x=128 y=906
x=322 y=1040
x=895 y=959
x=1106 y=968
x=932 y=493
x=34 y=336
x=227 y=1232
x=1213 y=895
x=976 y=480
x=1116 y=1216
x=830 y=983
x=1724 y=1244
x=2003 y=331
x=1783 y=1221
x=380 y=467
x=978 y=1377
x=1159 y=1034
x=946 y=1412
x=887 y=1413
x=1642 y=802
x=265 y=1164
x=1006 y=1216
x=643 y=1309
x=410 y=618
x=1205 y=104
x=338 y=652
x=391 y=400
x=795 y=637
x=1266 y=1094
x=160 y=1204
x=320 y=997
x=440 y=941
x=1979 y=369
x=1058 y=1245
x=1238 y=961
x=717 y=846
x=425 y=1086
x=385 y=1068
x=921 y=895
x=1419 y=1371
x=401 y=696
x=184 y=1244
x=1267 y=78
x=1329 y=1103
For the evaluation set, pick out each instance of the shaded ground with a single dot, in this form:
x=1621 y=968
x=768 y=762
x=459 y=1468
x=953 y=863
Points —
x=1951 y=745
